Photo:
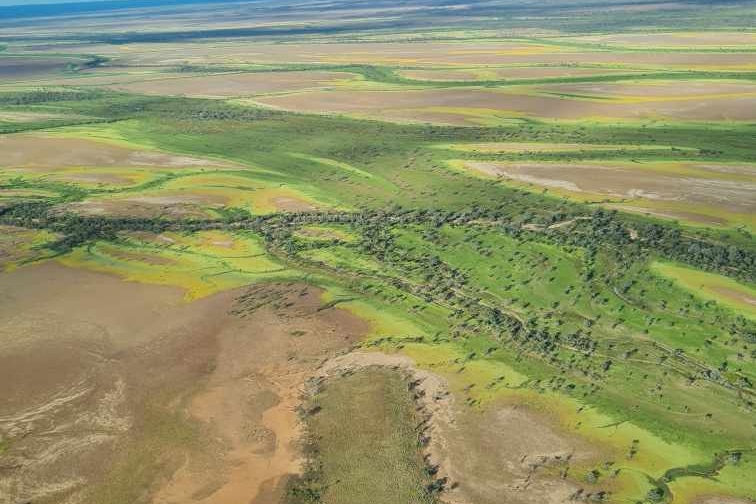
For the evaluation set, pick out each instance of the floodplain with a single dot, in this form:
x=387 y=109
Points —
x=288 y=253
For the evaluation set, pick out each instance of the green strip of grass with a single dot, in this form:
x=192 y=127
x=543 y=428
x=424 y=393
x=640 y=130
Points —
x=363 y=444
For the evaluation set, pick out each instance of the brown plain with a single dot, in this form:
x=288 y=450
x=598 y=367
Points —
x=230 y=85
x=687 y=40
x=533 y=72
x=621 y=182
x=428 y=54
x=465 y=106
x=150 y=396
x=51 y=152
x=23 y=68
x=656 y=89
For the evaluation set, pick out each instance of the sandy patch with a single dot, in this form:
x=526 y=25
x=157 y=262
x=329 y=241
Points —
x=737 y=296
x=78 y=368
x=623 y=181
x=473 y=106
x=87 y=176
x=690 y=216
x=50 y=152
x=18 y=244
x=123 y=396
x=253 y=391
x=722 y=500
x=22 y=68
x=484 y=73
x=716 y=39
x=422 y=53
x=292 y=204
x=169 y=207
x=23 y=117
x=651 y=90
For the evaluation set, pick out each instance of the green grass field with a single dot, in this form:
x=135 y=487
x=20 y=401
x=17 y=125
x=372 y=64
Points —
x=363 y=428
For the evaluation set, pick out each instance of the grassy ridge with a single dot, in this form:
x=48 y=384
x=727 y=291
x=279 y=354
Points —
x=362 y=434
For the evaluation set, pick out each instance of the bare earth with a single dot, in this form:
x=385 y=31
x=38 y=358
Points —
x=466 y=106
x=624 y=182
x=682 y=39
x=230 y=85
x=49 y=152
x=24 y=68
x=427 y=53
x=99 y=388
x=534 y=72
x=650 y=90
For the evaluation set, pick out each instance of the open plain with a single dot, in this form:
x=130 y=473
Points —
x=380 y=252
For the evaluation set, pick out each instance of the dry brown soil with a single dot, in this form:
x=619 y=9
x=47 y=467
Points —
x=624 y=182
x=687 y=40
x=536 y=72
x=463 y=106
x=122 y=393
x=653 y=90
x=229 y=85
x=22 y=68
x=49 y=152
x=427 y=53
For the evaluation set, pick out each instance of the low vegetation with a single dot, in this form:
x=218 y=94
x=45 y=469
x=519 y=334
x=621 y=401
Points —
x=361 y=433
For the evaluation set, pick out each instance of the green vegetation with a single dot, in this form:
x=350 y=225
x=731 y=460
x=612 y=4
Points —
x=361 y=433
x=737 y=296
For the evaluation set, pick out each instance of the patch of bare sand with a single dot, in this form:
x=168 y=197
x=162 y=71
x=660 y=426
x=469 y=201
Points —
x=739 y=296
x=96 y=178
x=21 y=68
x=291 y=204
x=241 y=84
x=431 y=54
x=22 y=117
x=121 y=389
x=182 y=207
x=472 y=105
x=722 y=500
x=648 y=90
x=280 y=336
x=50 y=152
x=80 y=356
x=503 y=451
x=671 y=214
x=680 y=39
x=534 y=72
x=171 y=204
x=625 y=182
